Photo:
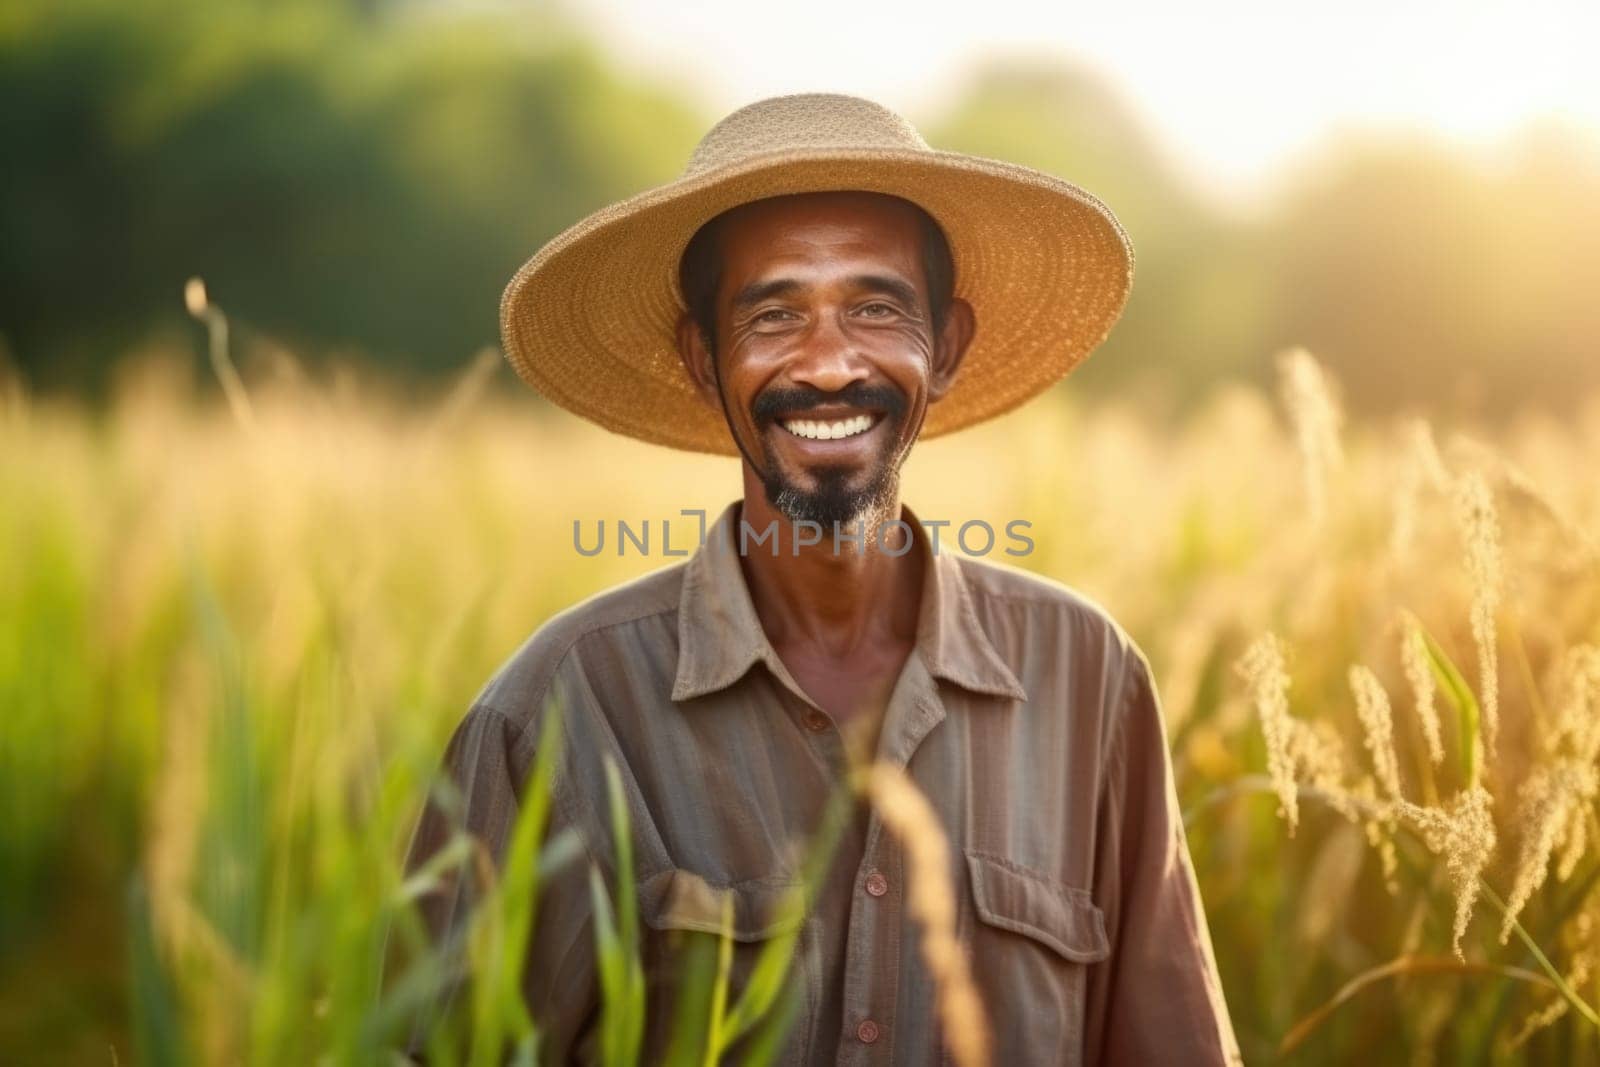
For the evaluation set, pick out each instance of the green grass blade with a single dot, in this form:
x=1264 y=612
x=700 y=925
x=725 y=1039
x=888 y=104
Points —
x=1460 y=695
x=609 y=964
x=157 y=1028
x=692 y=1015
x=520 y=886
x=719 y=989
x=767 y=1044
x=772 y=967
x=631 y=986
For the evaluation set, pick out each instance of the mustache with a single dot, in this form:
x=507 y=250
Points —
x=776 y=403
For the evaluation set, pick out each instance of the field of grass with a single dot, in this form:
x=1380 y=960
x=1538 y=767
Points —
x=233 y=644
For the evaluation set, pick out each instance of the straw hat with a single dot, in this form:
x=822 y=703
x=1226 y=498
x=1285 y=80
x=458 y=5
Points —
x=590 y=321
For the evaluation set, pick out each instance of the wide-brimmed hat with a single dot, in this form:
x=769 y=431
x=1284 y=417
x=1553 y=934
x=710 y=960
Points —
x=590 y=321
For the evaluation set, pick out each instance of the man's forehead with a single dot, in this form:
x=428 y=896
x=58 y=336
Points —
x=839 y=216
x=843 y=228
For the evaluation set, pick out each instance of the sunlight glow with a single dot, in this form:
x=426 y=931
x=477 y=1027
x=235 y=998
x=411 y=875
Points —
x=1235 y=89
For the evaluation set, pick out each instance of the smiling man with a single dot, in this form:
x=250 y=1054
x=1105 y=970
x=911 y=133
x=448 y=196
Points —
x=819 y=291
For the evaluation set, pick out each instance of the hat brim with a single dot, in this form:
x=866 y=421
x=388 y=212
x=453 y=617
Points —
x=591 y=320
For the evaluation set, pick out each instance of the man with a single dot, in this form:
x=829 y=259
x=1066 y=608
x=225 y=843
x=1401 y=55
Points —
x=817 y=292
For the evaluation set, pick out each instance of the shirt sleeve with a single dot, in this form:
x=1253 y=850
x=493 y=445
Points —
x=485 y=767
x=1157 y=998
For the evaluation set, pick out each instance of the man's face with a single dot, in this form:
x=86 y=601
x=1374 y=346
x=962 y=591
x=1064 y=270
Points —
x=826 y=357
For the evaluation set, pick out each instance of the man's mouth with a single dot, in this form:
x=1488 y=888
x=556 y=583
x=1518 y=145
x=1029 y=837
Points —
x=829 y=429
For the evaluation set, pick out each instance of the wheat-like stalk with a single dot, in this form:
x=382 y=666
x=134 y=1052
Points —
x=1583 y=946
x=1308 y=396
x=1553 y=802
x=1424 y=687
x=1555 y=799
x=1577 y=724
x=907 y=815
x=1463 y=834
x=1372 y=707
x=1267 y=680
x=1421 y=469
x=1480 y=532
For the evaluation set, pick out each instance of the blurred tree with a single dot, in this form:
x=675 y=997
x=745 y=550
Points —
x=1195 y=312
x=339 y=181
x=365 y=177
x=1426 y=279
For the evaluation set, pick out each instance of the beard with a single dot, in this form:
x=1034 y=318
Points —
x=832 y=499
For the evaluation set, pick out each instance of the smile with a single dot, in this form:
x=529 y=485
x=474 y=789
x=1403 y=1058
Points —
x=829 y=430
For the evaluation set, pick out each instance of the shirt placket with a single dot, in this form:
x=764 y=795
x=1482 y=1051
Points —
x=877 y=901
x=877 y=905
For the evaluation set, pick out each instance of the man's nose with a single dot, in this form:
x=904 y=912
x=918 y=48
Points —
x=828 y=360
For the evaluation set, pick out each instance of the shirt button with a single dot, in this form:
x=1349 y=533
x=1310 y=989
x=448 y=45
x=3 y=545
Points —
x=877 y=884
x=867 y=1031
x=816 y=722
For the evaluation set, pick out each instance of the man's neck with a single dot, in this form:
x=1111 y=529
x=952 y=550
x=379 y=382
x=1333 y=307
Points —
x=836 y=604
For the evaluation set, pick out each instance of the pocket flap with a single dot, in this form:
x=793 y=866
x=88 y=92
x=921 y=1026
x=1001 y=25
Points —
x=679 y=899
x=1051 y=912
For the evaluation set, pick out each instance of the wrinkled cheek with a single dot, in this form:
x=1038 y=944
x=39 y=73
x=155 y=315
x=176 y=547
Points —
x=911 y=423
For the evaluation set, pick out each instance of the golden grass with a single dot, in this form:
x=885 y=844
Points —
x=230 y=658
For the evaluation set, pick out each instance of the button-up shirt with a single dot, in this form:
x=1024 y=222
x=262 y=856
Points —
x=1024 y=714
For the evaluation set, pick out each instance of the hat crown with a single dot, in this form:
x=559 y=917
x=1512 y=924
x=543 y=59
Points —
x=802 y=121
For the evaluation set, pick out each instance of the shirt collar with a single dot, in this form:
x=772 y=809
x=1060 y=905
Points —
x=720 y=635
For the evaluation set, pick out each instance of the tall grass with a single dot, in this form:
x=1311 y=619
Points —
x=1547 y=775
x=230 y=658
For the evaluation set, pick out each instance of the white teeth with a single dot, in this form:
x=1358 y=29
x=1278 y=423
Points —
x=828 y=431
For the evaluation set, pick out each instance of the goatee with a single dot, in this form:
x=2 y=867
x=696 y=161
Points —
x=833 y=500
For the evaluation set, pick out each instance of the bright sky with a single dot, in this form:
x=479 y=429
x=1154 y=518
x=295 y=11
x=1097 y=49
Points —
x=1234 y=87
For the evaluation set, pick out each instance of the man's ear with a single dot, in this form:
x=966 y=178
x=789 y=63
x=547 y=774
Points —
x=697 y=359
x=950 y=347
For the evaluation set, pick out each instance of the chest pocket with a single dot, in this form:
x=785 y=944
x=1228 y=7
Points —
x=683 y=914
x=1032 y=945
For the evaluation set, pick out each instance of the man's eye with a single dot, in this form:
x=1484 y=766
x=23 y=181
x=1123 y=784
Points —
x=770 y=315
x=877 y=310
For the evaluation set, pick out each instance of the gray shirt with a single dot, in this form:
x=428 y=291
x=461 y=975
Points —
x=1025 y=715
